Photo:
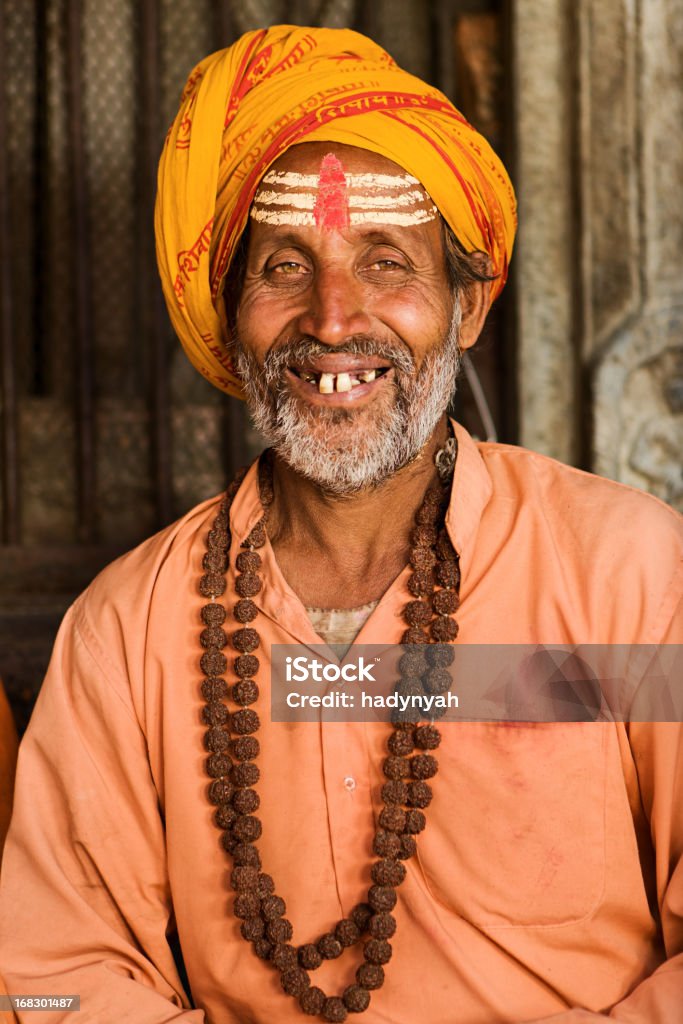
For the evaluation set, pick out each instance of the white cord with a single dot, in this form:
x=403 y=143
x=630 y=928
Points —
x=479 y=398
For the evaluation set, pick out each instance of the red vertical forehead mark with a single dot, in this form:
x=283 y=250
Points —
x=331 y=208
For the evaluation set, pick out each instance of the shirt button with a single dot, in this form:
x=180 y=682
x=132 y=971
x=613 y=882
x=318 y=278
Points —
x=350 y=782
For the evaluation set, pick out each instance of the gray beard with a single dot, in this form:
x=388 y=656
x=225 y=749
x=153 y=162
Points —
x=345 y=451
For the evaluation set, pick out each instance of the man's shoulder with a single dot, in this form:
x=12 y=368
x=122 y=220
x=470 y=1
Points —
x=132 y=579
x=613 y=555
x=619 y=538
x=581 y=501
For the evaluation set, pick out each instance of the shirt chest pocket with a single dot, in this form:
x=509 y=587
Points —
x=516 y=830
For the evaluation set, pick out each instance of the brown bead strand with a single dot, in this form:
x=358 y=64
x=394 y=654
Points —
x=233 y=748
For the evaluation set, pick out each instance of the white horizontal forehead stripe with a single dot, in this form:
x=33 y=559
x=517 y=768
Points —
x=307 y=200
x=270 y=216
x=380 y=180
x=301 y=200
x=393 y=217
x=300 y=218
x=290 y=179
x=293 y=180
x=407 y=199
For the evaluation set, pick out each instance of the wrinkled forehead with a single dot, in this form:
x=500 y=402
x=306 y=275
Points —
x=335 y=187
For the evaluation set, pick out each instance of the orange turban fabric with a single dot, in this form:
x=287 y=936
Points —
x=243 y=107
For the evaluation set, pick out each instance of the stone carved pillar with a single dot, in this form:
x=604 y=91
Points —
x=599 y=109
x=543 y=263
x=635 y=346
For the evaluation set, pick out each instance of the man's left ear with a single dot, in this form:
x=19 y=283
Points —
x=475 y=299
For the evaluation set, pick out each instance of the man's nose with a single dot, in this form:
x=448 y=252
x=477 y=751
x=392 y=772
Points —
x=334 y=307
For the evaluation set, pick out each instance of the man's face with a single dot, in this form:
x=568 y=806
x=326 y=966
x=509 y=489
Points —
x=346 y=328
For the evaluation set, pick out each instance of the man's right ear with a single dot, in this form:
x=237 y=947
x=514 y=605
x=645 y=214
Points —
x=475 y=301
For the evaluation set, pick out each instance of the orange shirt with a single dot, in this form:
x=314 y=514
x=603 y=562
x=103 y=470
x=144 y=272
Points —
x=550 y=874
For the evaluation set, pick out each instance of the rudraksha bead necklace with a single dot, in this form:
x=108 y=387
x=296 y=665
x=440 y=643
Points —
x=233 y=747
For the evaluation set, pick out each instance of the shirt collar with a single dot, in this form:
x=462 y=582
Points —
x=470 y=494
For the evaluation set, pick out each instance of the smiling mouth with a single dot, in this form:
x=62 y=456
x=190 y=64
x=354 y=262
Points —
x=331 y=383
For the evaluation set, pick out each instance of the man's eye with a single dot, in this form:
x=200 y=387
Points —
x=386 y=264
x=288 y=268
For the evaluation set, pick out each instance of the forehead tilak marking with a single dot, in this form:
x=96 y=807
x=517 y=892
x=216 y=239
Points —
x=331 y=210
x=334 y=199
x=306 y=200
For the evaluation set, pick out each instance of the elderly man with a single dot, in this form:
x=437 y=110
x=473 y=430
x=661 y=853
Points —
x=331 y=233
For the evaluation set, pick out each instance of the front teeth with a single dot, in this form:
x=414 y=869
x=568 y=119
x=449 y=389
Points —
x=328 y=383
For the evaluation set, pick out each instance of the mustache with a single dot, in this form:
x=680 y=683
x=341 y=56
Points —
x=300 y=350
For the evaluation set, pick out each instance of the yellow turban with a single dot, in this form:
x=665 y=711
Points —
x=243 y=107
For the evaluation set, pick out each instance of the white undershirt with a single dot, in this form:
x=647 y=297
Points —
x=340 y=625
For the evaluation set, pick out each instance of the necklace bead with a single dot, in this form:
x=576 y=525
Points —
x=312 y=1001
x=370 y=976
x=310 y=956
x=233 y=749
x=381 y=898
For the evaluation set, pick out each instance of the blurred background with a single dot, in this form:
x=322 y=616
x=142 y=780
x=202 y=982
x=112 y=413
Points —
x=108 y=434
